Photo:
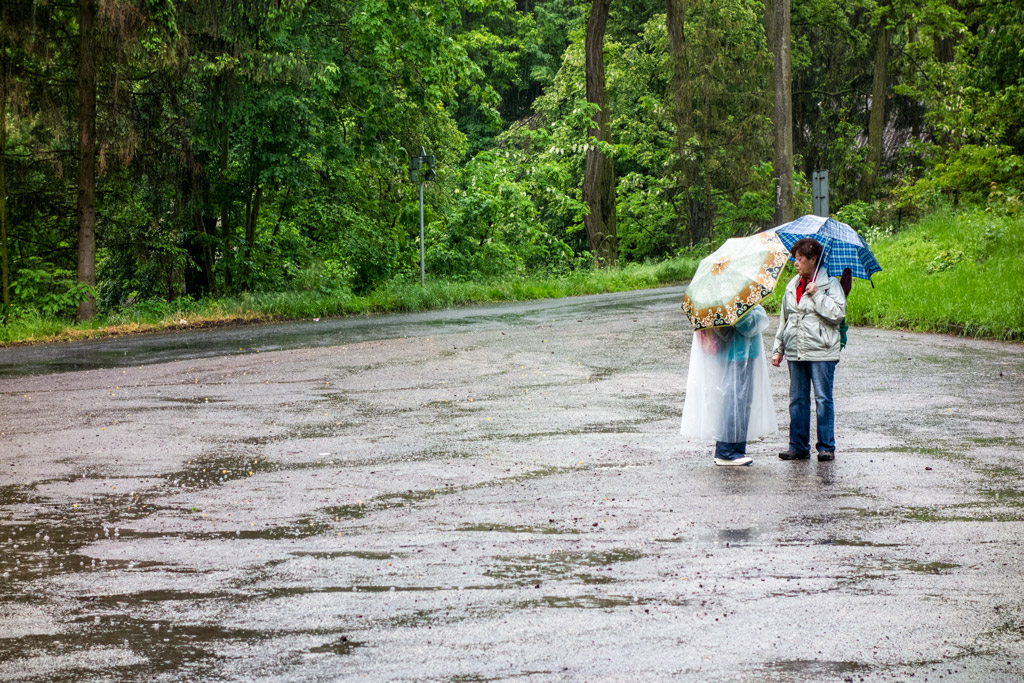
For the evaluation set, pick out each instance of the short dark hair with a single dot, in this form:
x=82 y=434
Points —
x=809 y=248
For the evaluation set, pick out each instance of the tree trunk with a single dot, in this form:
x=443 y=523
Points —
x=252 y=212
x=680 y=97
x=783 y=121
x=705 y=143
x=198 y=271
x=945 y=49
x=209 y=226
x=225 y=206
x=876 y=123
x=198 y=274
x=4 y=260
x=599 y=174
x=87 y=154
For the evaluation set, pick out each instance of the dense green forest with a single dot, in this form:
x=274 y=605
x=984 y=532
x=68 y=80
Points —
x=177 y=150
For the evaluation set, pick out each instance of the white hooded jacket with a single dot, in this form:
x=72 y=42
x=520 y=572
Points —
x=809 y=330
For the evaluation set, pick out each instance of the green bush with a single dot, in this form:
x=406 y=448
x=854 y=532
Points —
x=493 y=228
x=53 y=293
x=969 y=174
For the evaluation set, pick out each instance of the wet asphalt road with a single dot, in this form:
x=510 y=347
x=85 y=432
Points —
x=495 y=494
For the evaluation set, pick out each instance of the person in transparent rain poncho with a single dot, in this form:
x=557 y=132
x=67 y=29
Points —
x=728 y=395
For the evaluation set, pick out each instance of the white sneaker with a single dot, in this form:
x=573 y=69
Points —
x=733 y=463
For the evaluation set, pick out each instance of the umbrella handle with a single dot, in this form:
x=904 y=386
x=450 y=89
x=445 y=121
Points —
x=821 y=260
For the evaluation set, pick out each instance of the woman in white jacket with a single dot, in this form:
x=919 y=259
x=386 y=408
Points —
x=808 y=337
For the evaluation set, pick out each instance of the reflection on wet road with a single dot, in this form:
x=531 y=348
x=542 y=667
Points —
x=182 y=345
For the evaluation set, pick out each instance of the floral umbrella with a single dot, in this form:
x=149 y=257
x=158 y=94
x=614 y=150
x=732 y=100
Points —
x=733 y=279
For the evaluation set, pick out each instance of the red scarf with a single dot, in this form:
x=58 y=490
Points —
x=801 y=286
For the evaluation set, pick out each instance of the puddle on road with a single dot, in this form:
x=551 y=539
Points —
x=341 y=646
x=304 y=527
x=1005 y=497
x=558 y=565
x=49 y=542
x=322 y=430
x=1001 y=472
x=417 y=618
x=375 y=589
x=192 y=651
x=111 y=601
x=811 y=670
x=340 y=512
x=515 y=529
x=656 y=411
x=409 y=497
x=950 y=454
x=15 y=494
x=197 y=400
x=474 y=678
x=165 y=646
x=595 y=602
x=993 y=505
x=299 y=591
x=219 y=468
x=720 y=538
x=996 y=441
x=598 y=373
x=50 y=545
x=255 y=440
x=333 y=555
x=434 y=455
x=591 y=580
x=859 y=543
x=222 y=467
x=885 y=569
x=981 y=511
x=738 y=536
x=961 y=453
x=925 y=567
x=611 y=427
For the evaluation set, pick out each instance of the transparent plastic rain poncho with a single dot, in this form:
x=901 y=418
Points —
x=728 y=395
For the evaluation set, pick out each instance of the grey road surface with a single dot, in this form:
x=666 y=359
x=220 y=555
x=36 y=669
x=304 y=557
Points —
x=500 y=494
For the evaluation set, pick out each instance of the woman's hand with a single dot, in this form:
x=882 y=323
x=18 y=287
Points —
x=811 y=289
x=777 y=359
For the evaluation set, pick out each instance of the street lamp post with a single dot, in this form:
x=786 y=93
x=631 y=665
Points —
x=421 y=169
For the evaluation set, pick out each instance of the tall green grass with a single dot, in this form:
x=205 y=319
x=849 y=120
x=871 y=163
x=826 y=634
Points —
x=395 y=296
x=960 y=273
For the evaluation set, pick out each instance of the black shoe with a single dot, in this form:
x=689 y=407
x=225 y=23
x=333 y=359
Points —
x=790 y=455
x=826 y=456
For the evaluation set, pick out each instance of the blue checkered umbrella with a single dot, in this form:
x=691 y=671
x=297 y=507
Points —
x=842 y=247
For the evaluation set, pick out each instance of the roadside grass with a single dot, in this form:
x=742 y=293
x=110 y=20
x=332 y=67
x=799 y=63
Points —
x=395 y=296
x=960 y=273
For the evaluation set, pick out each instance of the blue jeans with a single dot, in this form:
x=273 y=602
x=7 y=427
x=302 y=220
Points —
x=802 y=375
x=726 y=450
x=736 y=410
